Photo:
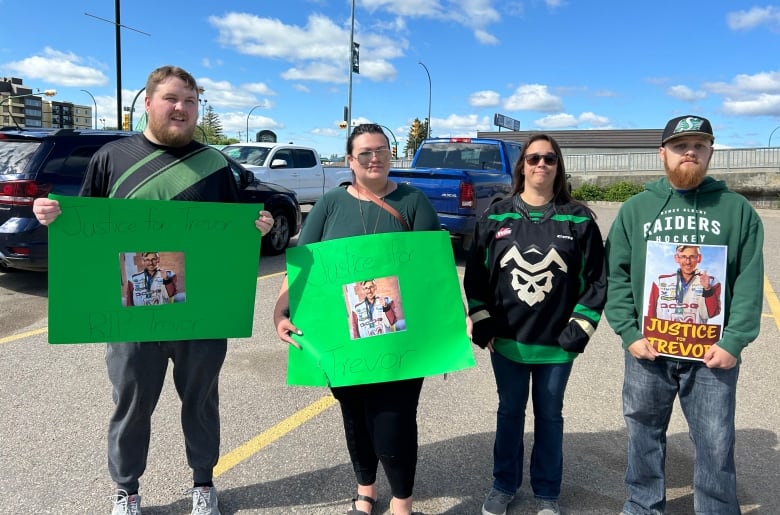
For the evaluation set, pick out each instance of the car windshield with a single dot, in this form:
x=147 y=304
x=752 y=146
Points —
x=247 y=155
x=469 y=156
x=14 y=156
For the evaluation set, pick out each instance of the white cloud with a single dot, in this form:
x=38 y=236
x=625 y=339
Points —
x=259 y=88
x=557 y=121
x=316 y=49
x=58 y=68
x=762 y=105
x=484 y=99
x=476 y=15
x=533 y=97
x=749 y=95
x=568 y=121
x=746 y=20
x=594 y=119
x=458 y=125
x=685 y=93
x=225 y=95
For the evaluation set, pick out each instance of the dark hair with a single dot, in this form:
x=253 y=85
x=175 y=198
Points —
x=365 y=128
x=163 y=72
x=560 y=185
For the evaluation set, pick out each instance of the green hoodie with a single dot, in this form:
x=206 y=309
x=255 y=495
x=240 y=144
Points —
x=708 y=215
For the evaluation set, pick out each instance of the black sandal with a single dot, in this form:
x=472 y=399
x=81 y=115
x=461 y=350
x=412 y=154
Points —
x=364 y=498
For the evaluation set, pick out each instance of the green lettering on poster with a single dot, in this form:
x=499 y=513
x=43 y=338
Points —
x=376 y=308
x=151 y=270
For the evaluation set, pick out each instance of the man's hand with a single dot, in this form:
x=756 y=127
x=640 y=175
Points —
x=643 y=349
x=46 y=210
x=717 y=357
x=263 y=223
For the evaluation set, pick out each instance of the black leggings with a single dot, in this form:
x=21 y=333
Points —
x=380 y=423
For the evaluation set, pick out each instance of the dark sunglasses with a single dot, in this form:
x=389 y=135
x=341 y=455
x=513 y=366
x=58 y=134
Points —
x=549 y=159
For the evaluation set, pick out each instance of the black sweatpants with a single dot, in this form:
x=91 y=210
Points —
x=380 y=424
x=137 y=374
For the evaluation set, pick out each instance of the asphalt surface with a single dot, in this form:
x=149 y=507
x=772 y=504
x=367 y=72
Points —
x=283 y=447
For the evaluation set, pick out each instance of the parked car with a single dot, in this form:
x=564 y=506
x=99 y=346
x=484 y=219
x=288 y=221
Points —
x=280 y=201
x=292 y=166
x=36 y=162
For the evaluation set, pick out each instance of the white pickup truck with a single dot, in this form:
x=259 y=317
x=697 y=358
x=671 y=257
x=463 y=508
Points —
x=292 y=166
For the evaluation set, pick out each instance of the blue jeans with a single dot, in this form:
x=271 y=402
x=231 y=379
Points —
x=708 y=401
x=547 y=384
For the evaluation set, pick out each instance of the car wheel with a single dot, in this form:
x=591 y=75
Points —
x=279 y=237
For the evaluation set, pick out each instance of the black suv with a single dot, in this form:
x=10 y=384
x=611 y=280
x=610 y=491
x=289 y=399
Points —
x=280 y=201
x=36 y=162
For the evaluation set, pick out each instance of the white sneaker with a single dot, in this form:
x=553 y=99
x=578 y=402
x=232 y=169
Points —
x=547 y=507
x=496 y=502
x=126 y=504
x=204 y=500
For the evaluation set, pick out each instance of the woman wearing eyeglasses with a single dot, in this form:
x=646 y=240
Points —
x=380 y=419
x=535 y=284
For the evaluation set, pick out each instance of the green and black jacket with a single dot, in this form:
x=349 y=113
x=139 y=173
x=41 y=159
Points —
x=539 y=277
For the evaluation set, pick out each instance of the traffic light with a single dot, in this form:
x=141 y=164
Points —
x=416 y=129
x=395 y=152
x=126 y=121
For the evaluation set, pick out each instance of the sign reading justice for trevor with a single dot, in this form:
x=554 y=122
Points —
x=376 y=308
x=151 y=270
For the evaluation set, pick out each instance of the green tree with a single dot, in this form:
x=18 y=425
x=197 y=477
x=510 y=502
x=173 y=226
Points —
x=417 y=133
x=210 y=127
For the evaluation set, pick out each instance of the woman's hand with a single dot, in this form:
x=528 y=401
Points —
x=284 y=330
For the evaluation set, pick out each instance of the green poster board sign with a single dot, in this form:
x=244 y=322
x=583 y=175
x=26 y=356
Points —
x=376 y=308
x=151 y=270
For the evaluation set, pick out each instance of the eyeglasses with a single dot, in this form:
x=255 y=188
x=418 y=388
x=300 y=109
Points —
x=549 y=159
x=683 y=257
x=381 y=154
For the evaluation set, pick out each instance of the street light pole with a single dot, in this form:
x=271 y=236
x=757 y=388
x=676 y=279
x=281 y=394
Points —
x=770 y=136
x=247 y=120
x=93 y=101
x=428 y=125
x=349 y=89
x=203 y=103
x=395 y=142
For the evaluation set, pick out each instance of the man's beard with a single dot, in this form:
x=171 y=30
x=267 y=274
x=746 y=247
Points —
x=168 y=136
x=688 y=178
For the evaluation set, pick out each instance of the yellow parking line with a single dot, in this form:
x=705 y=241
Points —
x=269 y=276
x=772 y=300
x=19 y=336
x=269 y=436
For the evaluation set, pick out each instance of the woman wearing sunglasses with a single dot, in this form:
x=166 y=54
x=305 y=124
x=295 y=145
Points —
x=535 y=284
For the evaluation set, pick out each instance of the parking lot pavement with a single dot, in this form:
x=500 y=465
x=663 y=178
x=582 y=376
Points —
x=283 y=447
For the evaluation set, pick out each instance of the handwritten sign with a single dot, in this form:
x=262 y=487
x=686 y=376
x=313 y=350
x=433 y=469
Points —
x=97 y=253
x=403 y=282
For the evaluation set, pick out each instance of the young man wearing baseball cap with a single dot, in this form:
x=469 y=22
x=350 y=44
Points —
x=685 y=207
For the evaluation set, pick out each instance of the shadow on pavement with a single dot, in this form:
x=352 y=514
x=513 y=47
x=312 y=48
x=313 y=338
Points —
x=455 y=475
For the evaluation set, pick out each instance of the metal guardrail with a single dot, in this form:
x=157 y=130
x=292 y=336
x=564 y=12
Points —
x=722 y=159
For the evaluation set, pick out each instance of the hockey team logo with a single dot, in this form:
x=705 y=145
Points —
x=533 y=281
x=690 y=123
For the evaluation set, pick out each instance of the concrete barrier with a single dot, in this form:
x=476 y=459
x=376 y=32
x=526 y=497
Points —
x=760 y=186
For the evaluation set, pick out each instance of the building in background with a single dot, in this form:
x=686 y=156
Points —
x=32 y=111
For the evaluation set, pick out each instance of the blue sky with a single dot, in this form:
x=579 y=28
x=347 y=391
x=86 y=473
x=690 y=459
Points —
x=551 y=64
